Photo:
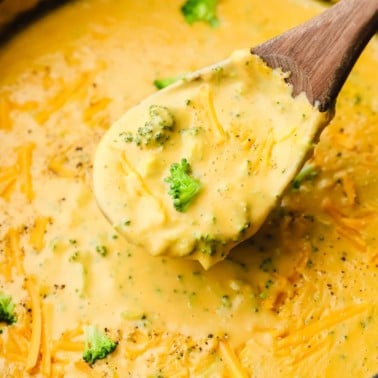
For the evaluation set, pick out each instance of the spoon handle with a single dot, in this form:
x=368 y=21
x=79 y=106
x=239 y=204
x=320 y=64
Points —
x=321 y=52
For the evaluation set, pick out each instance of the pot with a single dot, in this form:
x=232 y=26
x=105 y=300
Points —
x=299 y=299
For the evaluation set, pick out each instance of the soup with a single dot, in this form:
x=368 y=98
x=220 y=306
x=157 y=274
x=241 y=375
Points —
x=298 y=299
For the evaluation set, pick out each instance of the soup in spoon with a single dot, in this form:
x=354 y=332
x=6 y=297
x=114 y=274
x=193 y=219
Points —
x=196 y=168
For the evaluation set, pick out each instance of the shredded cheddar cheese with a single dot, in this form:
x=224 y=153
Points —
x=25 y=160
x=15 y=250
x=233 y=365
x=5 y=119
x=35 y=342
x=47 y=319
x=37 y=233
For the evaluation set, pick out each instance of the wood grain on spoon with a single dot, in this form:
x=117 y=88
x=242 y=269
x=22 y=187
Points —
x=321 y=52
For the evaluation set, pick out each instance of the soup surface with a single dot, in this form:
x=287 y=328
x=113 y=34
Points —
x=299 y=299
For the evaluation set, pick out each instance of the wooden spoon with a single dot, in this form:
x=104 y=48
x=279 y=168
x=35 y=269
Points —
x=320 y=53
x=243 y=165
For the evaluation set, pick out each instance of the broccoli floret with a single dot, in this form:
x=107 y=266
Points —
x=97 y=345
x=7 y=314
x=166 y=81
x=183 y=187
x=201 y=10
x=156 y=130
x=308 y=172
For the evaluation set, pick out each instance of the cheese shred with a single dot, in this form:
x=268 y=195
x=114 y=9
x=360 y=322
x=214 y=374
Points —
x=35 y=343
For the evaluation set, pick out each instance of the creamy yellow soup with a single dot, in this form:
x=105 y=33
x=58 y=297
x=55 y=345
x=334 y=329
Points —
x=224 y=143
x=299 y=299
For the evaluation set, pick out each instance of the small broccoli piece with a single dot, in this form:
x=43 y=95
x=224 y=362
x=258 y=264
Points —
x=126 y=136
x=102 y=250
x=267 y=265
x=7 y=314
x=156 y=130
x=243 y=229
x=166 y=81
x=308 y=172
x=183 y=187
x=201 y=10
x=209 y=245
x=192 y=131
x=97 y=345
